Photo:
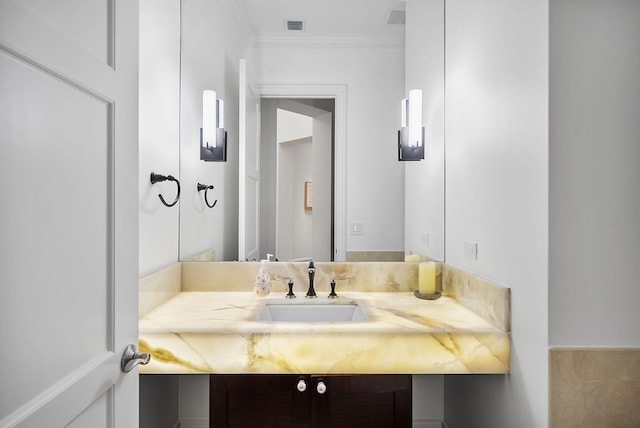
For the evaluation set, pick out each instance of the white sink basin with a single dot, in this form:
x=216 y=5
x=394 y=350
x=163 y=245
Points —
x=348 y=312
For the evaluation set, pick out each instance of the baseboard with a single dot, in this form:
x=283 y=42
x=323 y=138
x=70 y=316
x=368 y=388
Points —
x=427 y=423
x=194 y=423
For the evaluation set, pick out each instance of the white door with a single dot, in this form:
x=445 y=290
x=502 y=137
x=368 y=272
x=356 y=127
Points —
x=68 y=212
x=249 y=171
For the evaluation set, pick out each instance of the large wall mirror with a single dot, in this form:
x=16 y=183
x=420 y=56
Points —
x=303 y=108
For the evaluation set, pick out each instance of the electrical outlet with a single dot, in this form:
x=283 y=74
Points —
x=471 y=250
x=357 y=228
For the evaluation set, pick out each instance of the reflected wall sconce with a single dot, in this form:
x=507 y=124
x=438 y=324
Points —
x=213 y=137
x=411 y=134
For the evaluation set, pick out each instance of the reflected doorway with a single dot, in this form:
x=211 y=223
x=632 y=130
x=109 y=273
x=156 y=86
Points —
x=297 y=140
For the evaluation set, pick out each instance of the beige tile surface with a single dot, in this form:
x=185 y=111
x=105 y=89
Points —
x=375 y=256
x=594 y=387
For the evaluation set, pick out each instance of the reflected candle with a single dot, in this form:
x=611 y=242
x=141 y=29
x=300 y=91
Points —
x=412 y=258
x=427 y=278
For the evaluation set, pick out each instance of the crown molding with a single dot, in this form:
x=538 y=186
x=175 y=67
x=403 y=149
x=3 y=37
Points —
x=327 y=42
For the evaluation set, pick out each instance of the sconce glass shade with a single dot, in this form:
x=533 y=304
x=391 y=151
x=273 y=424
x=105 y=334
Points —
x=411 y=134
x=209 y=124
x=213 y=137
x=220 y=113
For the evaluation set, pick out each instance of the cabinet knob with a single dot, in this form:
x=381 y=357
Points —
x=302 y=385
x=321 y=387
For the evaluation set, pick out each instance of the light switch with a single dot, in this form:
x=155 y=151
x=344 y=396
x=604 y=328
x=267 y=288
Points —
x=357 y=228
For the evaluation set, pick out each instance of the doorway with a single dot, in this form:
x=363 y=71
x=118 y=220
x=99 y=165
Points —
x=297 y=196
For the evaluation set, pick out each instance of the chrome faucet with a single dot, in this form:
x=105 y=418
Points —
x=312 y=272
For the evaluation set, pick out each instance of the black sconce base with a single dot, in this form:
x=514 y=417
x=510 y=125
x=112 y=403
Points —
x=215 y=154
x=406 y=152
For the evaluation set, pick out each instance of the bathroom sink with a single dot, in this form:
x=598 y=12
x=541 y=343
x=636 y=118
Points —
x=315 y=313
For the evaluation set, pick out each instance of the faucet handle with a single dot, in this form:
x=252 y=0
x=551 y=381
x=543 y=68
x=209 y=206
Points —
x=340 y=277
x=290 y=294
x=335 y=278
x=333 y=294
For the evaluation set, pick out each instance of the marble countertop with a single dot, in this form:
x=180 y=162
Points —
x=218 y=332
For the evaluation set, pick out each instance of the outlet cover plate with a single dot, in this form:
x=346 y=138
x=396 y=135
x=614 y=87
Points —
x=471 y=250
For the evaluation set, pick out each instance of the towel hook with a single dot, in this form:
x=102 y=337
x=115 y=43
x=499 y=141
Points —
x=158 y=178
x=206 y=189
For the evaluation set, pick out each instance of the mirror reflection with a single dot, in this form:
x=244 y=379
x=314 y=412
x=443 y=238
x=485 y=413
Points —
x=287 y=193
x=296 y=185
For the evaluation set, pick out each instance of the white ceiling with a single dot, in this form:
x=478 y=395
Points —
x=323 y=19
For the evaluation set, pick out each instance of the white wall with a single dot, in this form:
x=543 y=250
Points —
x=595 y=152
x=159 y=102
x=424 y=180
x=497 y=193
x=292 y=126
x=211 y=52
x=375 y=86
x=294 y=226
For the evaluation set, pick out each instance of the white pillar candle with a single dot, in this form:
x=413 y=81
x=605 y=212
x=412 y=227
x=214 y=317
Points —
x=427 y=278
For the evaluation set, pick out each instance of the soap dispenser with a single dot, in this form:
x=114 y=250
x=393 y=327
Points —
x=262 y=285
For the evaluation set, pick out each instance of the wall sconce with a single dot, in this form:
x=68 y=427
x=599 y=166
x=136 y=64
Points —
x=213 y=137
x=411 y=134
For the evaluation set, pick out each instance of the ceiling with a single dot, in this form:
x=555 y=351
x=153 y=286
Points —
x=323 y=19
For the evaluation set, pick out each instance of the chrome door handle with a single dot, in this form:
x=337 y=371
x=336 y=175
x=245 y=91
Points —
x=130 y=358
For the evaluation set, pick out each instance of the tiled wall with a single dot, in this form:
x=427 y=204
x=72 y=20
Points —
x=594 y=387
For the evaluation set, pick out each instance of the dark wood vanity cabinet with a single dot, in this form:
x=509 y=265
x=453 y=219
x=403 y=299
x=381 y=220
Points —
x=310 y=401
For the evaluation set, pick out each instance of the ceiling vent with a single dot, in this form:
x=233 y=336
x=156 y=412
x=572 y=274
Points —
x=396 y=17
x=295 y=25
